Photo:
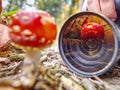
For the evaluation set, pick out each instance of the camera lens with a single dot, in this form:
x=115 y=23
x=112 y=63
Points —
x=87 y=44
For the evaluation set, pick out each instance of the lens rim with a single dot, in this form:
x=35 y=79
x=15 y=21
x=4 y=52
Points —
x=71 y=67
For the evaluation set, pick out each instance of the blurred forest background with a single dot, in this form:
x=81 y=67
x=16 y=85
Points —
x=60 y=9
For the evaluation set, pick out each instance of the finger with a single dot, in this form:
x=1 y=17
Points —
x=84 y=7
x=108 y=8
x=94 y=6
x=0 y=6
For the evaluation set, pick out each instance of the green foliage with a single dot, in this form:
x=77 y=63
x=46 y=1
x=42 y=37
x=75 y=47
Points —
x=14 y=5
x=54 y=7
x=9 y=13
x=60 y=9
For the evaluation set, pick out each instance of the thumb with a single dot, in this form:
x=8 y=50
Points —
x=108 y=8
x=94 y=6
x=84 y=7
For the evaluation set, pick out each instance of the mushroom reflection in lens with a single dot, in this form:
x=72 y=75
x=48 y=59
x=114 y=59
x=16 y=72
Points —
x=87 y=43
x=92 y=35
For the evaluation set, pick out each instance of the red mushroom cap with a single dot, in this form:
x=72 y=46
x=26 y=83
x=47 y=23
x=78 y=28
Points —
x=33 y=28
x=4 y=35
x=92 y=30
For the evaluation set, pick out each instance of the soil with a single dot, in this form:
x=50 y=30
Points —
x=53 y=74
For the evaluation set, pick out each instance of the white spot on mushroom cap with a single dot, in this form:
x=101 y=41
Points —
x=45 y=20
x=42 y=40
x=16 y=28
x=33 y=37
x=27 y=32
x=25 y=17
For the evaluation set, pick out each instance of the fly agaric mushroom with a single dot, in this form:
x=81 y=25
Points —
x=32 y=31
x=92 y=30
x=4 y=35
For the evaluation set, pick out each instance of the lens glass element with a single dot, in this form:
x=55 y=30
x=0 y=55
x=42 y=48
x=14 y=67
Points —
x=88 y=42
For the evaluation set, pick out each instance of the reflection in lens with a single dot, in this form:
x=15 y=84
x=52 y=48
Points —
x=89 y=50
x=90 y=46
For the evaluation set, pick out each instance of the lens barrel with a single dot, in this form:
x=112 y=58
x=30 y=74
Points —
x=87 y=48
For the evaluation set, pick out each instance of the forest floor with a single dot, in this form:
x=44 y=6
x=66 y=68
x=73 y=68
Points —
x=53 y=74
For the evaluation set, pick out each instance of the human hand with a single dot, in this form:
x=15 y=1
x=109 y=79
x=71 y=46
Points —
x=0 y=6
x=106 y=7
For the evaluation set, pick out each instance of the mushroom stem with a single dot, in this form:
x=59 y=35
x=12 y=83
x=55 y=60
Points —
x=30 y=69
x=31 y=61
x=32 y=57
